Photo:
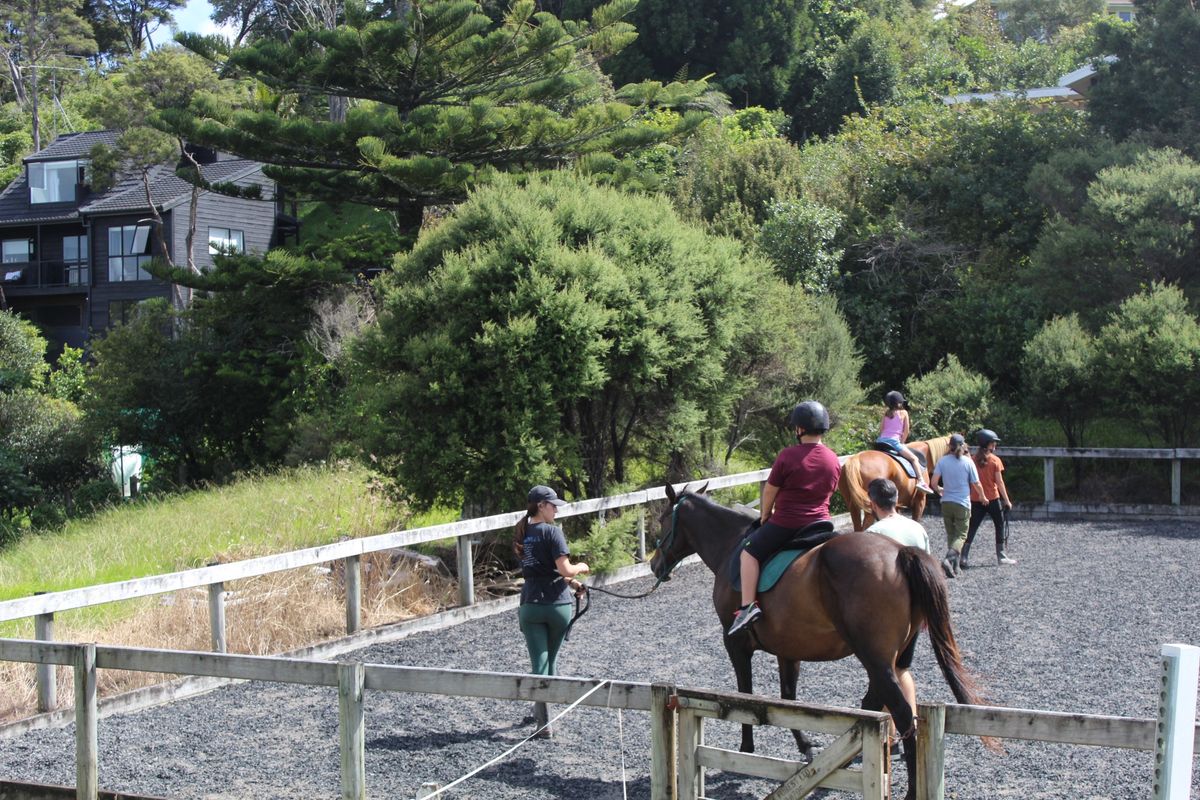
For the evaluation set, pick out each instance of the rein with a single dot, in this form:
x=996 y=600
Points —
x=587 y=590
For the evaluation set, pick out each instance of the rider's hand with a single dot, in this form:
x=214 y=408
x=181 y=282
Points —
x=581 y=568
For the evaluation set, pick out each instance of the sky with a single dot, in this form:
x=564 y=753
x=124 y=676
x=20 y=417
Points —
x=194 y=17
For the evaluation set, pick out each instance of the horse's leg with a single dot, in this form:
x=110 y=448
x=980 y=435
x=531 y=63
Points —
x=739 y=656
x=789 y=676
x=883 y=690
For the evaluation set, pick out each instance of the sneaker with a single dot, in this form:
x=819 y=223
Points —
x=1006 y=560
x=962 y=563
x=924 y=487
x=745 y=617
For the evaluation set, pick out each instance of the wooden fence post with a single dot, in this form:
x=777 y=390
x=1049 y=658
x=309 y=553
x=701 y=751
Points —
x=641 y=534
x=216 y=616
x=47 y=683
x=1048 y=478
x=876 y=764
x=353 y=572
x=351 y=729
x=466 y=572
x=691 y=736
x=662 y=743
x=1176 y=481
x=87 y=767
x=1176 y=722
x=931 y=751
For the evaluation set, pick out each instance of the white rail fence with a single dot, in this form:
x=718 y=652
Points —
x=213 y=579
x=1176 y=457
x=679 y=755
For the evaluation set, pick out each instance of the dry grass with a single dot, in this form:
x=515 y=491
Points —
x=264 y=615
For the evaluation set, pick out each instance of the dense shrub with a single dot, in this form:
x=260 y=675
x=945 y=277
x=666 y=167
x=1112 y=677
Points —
x=949 y=399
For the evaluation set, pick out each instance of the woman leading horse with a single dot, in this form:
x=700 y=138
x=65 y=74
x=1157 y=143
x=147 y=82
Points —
x=858 y=594
x=860 y=469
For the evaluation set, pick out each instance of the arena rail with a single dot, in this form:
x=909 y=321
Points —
x=1176 y=456
x=43 y=606
x=678 y=753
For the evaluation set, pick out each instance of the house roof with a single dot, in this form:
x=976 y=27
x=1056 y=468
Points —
x=128 y=195
x=74 y=145
x=1041 y=93
x=166 y=188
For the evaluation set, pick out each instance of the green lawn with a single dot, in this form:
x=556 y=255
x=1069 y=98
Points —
x=254 y=516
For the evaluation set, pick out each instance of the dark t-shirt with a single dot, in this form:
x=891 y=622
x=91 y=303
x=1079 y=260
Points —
x=807 y=475
x=544 y=544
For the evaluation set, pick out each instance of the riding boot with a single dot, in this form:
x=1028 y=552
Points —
x=950 y=564
x=1001 y=556
x=541 y=718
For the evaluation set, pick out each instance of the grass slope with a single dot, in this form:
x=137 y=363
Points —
x=254 y=516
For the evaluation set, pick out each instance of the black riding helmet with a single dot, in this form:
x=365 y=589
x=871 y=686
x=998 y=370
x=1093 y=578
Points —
x=894 y=399
x=986 y=437
x=810 y=416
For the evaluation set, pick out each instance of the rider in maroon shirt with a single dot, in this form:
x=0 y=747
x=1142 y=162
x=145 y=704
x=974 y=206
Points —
x=796 y=494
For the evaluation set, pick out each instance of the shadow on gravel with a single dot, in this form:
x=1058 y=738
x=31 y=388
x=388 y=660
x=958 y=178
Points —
x=525 y=775
x=425 y=740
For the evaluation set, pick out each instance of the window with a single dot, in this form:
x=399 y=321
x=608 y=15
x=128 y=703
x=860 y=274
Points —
x=128 y=250
x=17 y=251
x=1126 y=16
x=226 y=240
x=55 y=181
x=121 y=312
x=75 y=259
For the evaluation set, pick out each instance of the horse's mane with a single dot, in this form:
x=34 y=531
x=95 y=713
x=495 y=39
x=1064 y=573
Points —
x=937 y=448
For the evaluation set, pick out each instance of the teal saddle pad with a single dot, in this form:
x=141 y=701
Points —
x=806 y=539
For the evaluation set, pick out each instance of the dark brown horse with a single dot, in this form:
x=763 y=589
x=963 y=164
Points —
x=858 y=594
x=861 y=468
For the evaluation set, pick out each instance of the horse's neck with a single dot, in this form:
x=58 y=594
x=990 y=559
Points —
x=719 y=540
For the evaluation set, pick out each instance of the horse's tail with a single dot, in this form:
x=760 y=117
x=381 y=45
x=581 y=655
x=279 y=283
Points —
x=929 y=593
x=851 y=487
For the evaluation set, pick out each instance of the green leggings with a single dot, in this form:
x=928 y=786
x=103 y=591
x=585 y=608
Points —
x=544 y=628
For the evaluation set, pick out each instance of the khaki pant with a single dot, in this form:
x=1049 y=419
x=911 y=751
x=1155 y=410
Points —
x=957 y=519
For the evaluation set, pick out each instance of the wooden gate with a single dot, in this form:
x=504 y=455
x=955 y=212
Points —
x=859 y=733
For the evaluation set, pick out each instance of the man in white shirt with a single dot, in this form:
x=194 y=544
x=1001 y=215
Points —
x=882 y=494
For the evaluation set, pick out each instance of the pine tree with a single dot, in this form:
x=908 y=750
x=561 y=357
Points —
x=35 y=34
x=439 y=96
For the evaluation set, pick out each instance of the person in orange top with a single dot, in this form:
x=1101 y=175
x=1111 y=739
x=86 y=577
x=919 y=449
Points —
x=993 y=501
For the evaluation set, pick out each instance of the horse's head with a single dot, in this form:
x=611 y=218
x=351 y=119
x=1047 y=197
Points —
x=674 y=542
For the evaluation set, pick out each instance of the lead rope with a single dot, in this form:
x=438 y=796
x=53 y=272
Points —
x=620 y=741
x=524 y=741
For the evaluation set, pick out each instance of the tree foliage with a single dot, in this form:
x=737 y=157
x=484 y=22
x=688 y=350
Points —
x=1059 y=376
x=1139 y=223
x=439 y=97
x=1151 y=364
x=1152 y=88
x=947 y=399
x=551 y=332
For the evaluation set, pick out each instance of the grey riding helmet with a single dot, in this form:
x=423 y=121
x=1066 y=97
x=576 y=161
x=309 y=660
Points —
x=986 y=437
x=810 y=416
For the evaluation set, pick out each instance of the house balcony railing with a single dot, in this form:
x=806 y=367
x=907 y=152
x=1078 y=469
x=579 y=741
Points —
x=44 y=274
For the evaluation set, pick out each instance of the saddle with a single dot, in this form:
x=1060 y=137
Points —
x=904 y=463
x=807 y=538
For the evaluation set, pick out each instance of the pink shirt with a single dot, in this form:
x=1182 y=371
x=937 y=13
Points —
x=892 y=427
x=807 y=475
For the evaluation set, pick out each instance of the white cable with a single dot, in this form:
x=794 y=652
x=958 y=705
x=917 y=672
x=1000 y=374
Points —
x=521 y=743
x=620 y=740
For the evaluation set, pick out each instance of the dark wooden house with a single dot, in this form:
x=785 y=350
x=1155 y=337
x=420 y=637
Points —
x=73 y=261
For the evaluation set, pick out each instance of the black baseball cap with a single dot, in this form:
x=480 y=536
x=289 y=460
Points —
x=544 y=494
x=956 y=441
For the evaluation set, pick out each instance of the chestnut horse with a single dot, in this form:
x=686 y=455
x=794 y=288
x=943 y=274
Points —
x=857 y=594
x=861 y=468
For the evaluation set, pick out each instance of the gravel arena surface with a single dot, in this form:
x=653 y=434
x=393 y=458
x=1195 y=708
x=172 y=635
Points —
x=1076 y=626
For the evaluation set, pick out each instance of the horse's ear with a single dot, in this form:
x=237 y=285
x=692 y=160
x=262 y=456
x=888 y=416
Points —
x=702 y=490
x=670 y=494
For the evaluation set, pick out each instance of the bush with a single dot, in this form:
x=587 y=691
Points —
x=609 y=545
x=22 y=353
x=950 y=398
x=1059 y=376
x=798 y=237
